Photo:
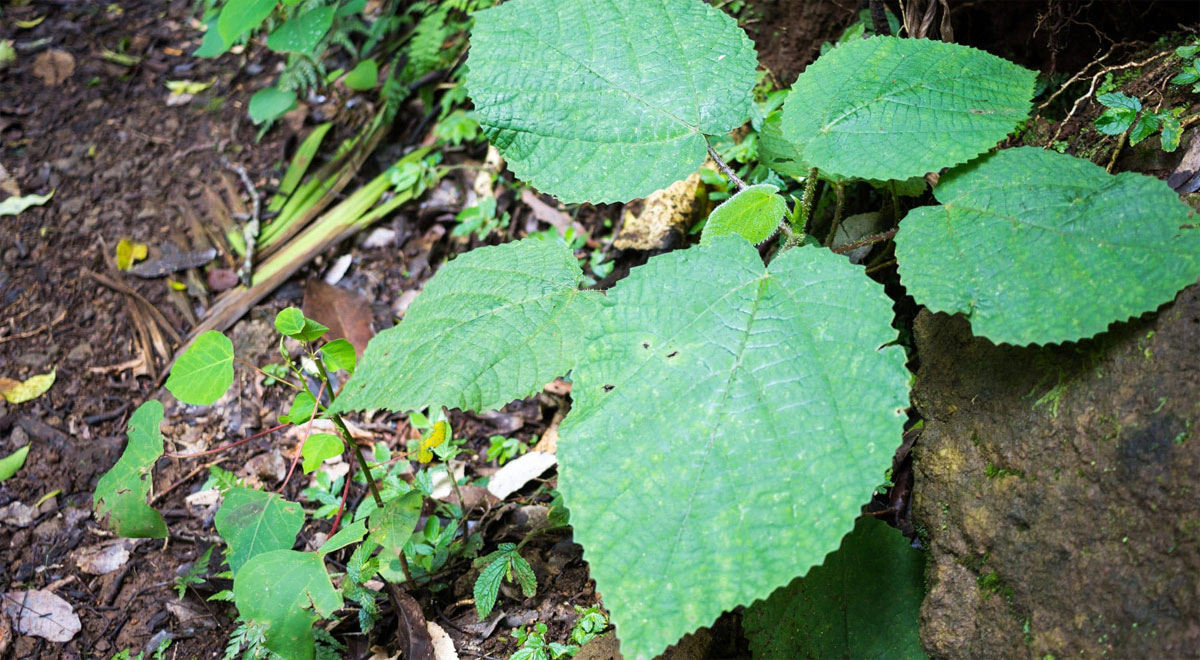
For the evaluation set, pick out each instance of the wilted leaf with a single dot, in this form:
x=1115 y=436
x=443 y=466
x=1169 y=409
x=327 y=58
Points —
x=33 y=387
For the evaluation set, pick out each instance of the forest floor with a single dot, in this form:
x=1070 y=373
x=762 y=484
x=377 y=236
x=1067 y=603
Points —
x=126 y=160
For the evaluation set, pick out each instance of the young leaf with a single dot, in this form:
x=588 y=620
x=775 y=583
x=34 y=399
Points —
x=253 y=522
x=524 y=574
x=705 y=372
x=364 y=76
x=318 y=448
x=1039 y=247
x=862 y=603
x=285 y=591
x=120 y=497
x=271 y=103
x=347 y=535
x=13 y=462
x=496 y=324
x=302 y=410
x=292 y=322
x=586 y=113
x=890 y=108
x=240 y=16
x=303 y=33
x=754 y=214
x=204 y=371
x=393 y=525
x=339 y=354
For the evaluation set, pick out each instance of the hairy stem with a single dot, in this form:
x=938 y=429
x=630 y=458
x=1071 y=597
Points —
x=800 y=221
x=724 y=167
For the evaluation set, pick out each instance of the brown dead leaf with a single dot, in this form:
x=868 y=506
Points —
x=413 y=630
x=54 y=67
x=665 y=218
x=545 y=212
x=41 y=614
x=347 y=313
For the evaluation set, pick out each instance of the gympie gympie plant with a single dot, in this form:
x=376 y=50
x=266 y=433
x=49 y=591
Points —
x=730 y=417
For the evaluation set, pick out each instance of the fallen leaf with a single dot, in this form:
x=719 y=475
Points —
x=13 y=462
x=1186 y=177
x=41 y=614
x=7 y=183
x=346 y=313
x=106 y=557
x=129 y=253
x=8 y=54
x=179 y=87
x=443 y=646
x=32 y=388
x=31 y=23
x=518 y=472
x=474 y=497
x=412 y=631
x=120 y=59
x=14 y=205
x=17 y=514
x=665 y=218
x=54 y=67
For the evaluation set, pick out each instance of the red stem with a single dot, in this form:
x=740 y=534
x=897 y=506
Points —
x=307 y=432
x=342 y=506
x=230 y=445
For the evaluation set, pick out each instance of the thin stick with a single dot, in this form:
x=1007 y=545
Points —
x=864 y=242
x=342 y=505
x=1092 y=88
x=228 y=446
x=724 y=167
x=250 y=230
x=840 y=191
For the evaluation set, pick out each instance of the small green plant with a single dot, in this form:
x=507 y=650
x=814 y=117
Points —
x=480 y=219
x=503 y=450
x=533 y=645
x=706 y=364
x=506 y=563
x=157 y=654
x=194 y=574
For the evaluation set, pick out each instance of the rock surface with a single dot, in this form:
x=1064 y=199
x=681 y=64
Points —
x=1056 y=489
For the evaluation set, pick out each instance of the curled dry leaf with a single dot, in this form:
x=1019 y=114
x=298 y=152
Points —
x=106 y=557
x=443 y=646
x=665 y=218
x=41 y=614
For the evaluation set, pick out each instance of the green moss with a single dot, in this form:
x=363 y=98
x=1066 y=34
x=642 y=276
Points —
x=993 y=472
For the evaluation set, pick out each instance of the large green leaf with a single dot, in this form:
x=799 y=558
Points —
x=286 y=591
x=753 y=213
x=1039 y=247
x=494 y=325
x=254 y=522
x=890 y=108
x=204 y=371
x=607 y=101
x=240 y=16
x=120 y=497
x=862 y=603
x=728 y=421
x=303 y=33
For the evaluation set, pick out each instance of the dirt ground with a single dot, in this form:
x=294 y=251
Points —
x=123 y=163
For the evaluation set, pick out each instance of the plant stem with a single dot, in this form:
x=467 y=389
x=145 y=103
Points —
x=840 y=191
x=349 y=440
x=230 y=445
x=800 y=222
x=247 y=363
x=725 y=168
x=864 y=242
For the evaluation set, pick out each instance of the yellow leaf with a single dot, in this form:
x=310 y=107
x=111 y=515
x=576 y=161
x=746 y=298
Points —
x=17 y=392
x=178 y=286
x=31 y=23
x=129 y=253
x=435 y=438
x=181 y=87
